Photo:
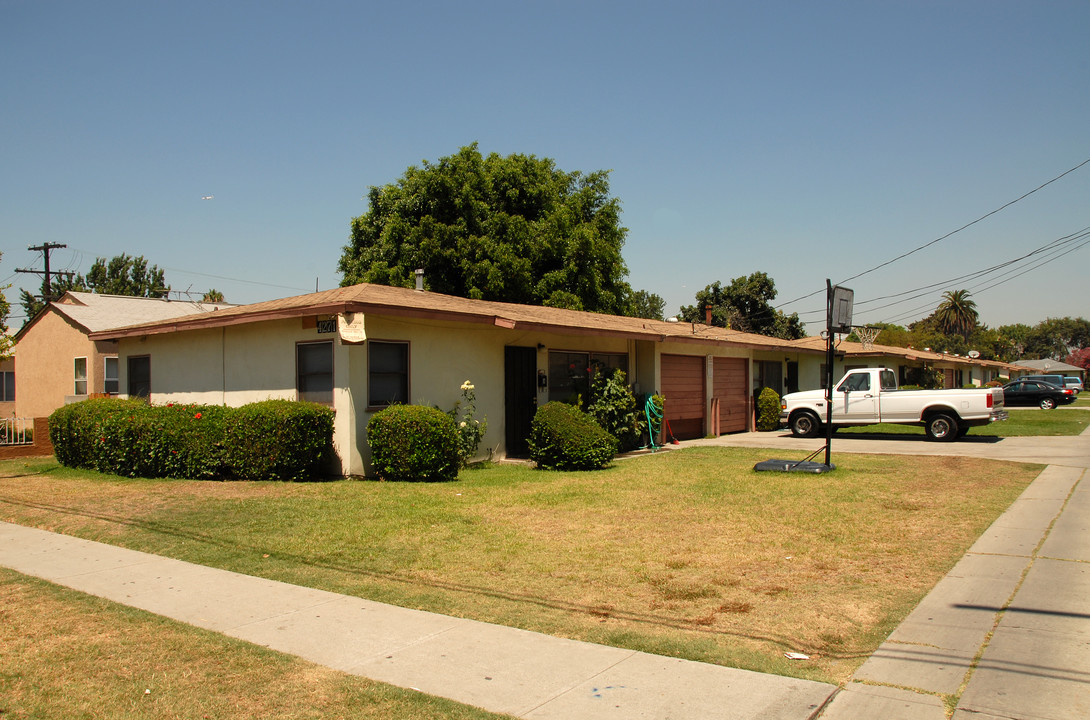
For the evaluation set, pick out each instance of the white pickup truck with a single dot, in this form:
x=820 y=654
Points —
x=869 y=395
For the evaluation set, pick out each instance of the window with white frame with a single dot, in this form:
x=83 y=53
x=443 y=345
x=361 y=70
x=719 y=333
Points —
x=111 y=383
x=80 y=376
x=314 y=372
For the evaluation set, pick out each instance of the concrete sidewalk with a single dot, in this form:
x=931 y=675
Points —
x=1006 y=634
x=497 y=668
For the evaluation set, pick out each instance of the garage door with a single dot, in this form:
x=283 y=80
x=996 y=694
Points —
x=729 y=383
x=683 y=388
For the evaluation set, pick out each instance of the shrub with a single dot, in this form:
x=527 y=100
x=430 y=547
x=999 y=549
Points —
x=563 y=437
x=768 y=409
x=615 y=408
x=283 y=440
x=278 y=440
x=413 y=442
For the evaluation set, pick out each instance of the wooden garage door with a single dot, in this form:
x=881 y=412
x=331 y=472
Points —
x=729 y=383
x=683 y=388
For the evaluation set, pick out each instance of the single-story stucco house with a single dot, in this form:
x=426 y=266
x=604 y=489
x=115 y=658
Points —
x=1049 y=366
x=56 y=362
x=361 y=348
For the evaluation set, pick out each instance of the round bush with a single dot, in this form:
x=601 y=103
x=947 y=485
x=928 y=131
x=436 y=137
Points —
x=563 y=437
x=414 y=442
x=768 y=409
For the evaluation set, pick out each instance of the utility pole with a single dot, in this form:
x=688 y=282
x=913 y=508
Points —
x=47 y=276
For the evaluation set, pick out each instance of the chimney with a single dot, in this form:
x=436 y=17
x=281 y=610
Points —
x=708 y=315
x=420 y=279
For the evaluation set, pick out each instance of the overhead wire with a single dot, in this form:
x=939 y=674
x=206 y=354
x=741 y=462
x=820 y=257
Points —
x=947 y=235
x=1051 y=247
x=1001 y=279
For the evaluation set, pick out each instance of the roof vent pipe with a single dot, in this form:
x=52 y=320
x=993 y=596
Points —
x=420 y=279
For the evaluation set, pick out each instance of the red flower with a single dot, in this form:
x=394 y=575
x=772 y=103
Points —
x=198 y=416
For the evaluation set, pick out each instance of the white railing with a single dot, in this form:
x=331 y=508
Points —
x=16 y=431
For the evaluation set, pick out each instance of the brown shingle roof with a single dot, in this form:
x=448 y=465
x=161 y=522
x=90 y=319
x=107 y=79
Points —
x=393 y=301
x=856 y=350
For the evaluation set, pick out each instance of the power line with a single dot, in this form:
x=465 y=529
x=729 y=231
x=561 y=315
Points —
x=1051 y=251
x=952 y=232
x=47 y=275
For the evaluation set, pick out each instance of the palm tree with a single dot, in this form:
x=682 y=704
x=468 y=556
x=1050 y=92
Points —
x=957 y=313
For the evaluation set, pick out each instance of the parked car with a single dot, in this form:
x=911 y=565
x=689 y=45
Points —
x=1074 y=383
x=1053 y=379
x=1030 y=393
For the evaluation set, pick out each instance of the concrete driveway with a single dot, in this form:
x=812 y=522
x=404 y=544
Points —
x=1065 y=451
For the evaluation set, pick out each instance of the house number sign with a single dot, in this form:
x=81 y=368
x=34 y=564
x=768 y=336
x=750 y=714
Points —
x=327 y=325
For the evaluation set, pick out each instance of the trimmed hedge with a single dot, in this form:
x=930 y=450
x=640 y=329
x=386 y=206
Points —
x=278 y=440
x=414 y=442
x=271 y=440
x=563 y=437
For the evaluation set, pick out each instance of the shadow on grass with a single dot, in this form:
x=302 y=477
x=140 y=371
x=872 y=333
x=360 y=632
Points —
x=905 y=437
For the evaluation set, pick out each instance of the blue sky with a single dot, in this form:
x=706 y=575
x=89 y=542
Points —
x=805 y=140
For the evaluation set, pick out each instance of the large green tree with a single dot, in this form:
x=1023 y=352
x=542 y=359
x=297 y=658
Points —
x=514 y=228
x=745 y=305
x=121 y=275
x=1057 y=338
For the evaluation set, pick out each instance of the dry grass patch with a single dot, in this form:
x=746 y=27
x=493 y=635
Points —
x=68 y=655
x=687 y=552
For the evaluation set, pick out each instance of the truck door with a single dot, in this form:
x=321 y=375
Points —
x=854 y=401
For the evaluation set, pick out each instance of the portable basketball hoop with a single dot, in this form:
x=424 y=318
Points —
x=839 y=302
x=867 y=335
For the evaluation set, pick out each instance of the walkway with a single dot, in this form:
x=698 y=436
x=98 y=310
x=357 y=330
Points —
x=1006 y=634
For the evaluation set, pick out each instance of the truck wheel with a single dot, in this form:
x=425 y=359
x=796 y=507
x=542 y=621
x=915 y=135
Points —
x=1048 y=404
x=804 y=425
x=941 y=427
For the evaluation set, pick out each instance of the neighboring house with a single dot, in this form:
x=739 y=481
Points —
x=957 y=370
x=359 y=349
x=58 y=363
x=1049 y=366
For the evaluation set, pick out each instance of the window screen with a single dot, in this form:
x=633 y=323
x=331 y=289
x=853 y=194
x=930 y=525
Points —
x=314 y=376
x=387 y=373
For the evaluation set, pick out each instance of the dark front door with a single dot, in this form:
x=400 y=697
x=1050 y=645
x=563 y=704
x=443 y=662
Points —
x=140 y=377
x=792 y=377
x=519 y=397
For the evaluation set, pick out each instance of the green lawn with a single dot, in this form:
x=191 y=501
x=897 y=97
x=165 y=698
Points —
x=686 y=552
x=1023 y=422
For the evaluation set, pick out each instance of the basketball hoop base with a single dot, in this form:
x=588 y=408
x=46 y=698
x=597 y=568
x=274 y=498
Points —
x=807 y=466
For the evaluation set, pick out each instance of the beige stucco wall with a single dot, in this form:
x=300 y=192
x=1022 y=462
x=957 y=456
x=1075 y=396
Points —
x=247 y=363
x=45 y=358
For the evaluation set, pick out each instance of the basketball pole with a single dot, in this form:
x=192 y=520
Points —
x=828 y=372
